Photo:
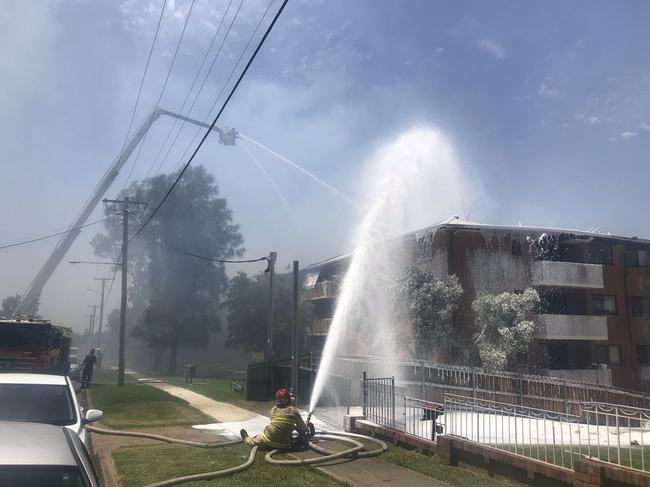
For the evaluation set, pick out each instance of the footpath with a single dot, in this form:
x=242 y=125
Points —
x=363 y=472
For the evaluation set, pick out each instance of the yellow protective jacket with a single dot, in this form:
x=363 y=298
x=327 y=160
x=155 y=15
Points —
x=283 y=421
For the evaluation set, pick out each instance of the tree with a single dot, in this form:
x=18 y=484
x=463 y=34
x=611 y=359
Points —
x=505 y=326
x=174 y=297
x=430 y=303
x=9 y=305
x=247 y=308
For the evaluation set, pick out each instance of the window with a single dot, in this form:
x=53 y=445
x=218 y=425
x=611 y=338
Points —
x=517 y=247
x=637 y=257
x=603 y=305
x=640 y=306
x=600 y=254
x=643 y=354
x=608 y=354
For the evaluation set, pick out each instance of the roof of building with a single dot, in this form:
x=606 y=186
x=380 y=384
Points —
x=34 y=444
x=469 y=225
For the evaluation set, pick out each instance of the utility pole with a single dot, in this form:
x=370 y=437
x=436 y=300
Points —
x=295 y=342
x=125 y=204
x=90 y=322
x=94 y=316
x=270 y=356
x=101 y=309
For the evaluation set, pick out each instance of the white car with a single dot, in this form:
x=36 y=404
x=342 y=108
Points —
x=43 y=398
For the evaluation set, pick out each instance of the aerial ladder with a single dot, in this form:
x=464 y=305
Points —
x=31 y=297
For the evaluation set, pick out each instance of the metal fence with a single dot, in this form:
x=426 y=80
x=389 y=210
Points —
x=608 y=432
x=379 y=400
x=424 y=419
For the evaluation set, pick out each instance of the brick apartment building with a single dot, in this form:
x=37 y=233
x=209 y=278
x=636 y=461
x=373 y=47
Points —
x=594 y=316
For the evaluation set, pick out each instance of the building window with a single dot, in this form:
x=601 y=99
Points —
x=643 y=354
x=603 y=304
x=600 y=254
x=637 y=257
x=517 y=247
x=640 y=306
x=608 y=354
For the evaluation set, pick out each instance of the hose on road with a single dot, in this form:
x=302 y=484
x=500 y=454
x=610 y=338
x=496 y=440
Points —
x=357 y=450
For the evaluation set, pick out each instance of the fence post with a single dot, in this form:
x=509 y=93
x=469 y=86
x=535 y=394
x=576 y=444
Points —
x=565 y=397
x=392 y=401
x=423 y=381
x=365 y=394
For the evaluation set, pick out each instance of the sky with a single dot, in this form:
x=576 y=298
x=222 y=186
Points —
x=544 y=103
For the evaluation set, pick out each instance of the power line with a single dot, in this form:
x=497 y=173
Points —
x=216 y=118
x=162 y=91
x=202 y=257
x=38 y=239
x=198 y=93
x=144 y=75
x=189 y=92
x=232 y=72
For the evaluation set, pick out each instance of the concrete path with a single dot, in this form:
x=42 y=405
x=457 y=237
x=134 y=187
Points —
x=366 y=472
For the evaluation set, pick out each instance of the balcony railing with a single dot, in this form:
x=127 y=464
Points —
x=571 y=327
x=567 y=274
x=321 y=290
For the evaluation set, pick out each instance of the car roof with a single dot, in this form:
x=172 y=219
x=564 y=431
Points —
x=34 y=444
x=40 y=379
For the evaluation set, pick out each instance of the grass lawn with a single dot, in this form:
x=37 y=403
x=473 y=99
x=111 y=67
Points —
x=219 y=390
x=630 y=456
x=142 y=406
x=433 y=466
x=142 y=465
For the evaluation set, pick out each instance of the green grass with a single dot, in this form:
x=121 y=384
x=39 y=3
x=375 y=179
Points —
x=219 y=389
x=433 y=466
x=109 y=376
x=631 y=456
x=142 y=465
x=142 y=406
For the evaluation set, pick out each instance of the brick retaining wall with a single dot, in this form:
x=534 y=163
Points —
x=455 y=450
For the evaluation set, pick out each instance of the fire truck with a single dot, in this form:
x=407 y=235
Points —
x=34 y=345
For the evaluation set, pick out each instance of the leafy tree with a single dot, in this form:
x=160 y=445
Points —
x=9 y=305
x=247 y=308
x=430 y=303
x=505 y=326
x=174 y=297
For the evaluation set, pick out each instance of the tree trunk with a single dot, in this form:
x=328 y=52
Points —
x=173 y=354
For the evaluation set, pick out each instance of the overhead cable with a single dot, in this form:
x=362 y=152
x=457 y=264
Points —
x=45 y=237
x=223 y=88
x=144 y=75
x=162 y=91
x=216 y=118
x=189 y=92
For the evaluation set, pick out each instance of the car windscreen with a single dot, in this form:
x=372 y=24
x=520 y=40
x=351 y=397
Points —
x=41 y=476
x=24 y=338
x=37 y=403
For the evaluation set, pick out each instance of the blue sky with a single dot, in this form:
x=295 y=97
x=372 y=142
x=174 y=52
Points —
x=545 y=103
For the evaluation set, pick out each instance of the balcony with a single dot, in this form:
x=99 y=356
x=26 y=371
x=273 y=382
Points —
x=320 y=327
x=601 y=376
x=571 y=327
x=320 y=290
x=567 y=274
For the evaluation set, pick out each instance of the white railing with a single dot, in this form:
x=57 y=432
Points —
x=611 y=433
x=567 y=274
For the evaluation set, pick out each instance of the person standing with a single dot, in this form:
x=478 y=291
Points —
x=87 y=369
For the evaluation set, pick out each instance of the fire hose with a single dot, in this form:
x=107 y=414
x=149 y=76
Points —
x=357 y=450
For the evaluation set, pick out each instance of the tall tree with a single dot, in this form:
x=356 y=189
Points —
x=176 y=297
x=505 y=326
x=430 y=303
x=9 y=305
x=247 y=308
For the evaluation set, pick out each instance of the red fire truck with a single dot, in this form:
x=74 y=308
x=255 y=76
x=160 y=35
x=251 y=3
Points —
x=34 y=345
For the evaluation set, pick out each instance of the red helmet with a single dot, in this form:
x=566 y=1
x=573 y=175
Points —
x=282 y=397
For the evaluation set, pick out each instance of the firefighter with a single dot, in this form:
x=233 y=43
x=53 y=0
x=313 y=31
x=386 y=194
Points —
x=87 y=369
x=284 y=419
